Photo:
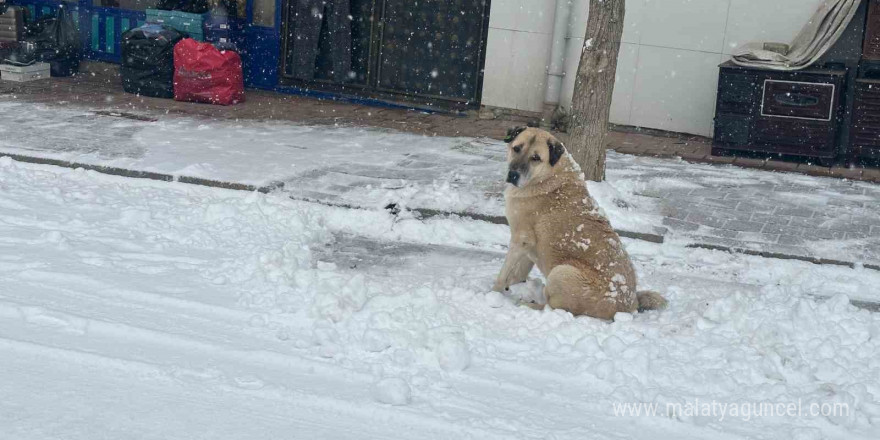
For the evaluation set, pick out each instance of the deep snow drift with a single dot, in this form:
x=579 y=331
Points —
x=140 y=309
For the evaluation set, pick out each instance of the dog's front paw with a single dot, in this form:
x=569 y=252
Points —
x=500 y=287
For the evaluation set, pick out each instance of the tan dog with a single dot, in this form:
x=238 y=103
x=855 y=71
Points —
x=555 y=224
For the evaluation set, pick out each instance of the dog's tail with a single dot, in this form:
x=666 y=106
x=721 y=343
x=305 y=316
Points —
x=650 y=300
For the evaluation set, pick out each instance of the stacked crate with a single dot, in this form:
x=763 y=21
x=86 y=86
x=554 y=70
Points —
x=33 y=72
x=865 y=127
x=217 y=29
x=773 y=112
x=186 y=22
x=11 y=24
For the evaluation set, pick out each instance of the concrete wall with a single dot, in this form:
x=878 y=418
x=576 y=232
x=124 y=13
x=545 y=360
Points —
x=667 y=69
x=517 y=52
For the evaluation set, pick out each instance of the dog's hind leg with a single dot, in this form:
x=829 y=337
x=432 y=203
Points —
x=650 y=300
x=569 y=289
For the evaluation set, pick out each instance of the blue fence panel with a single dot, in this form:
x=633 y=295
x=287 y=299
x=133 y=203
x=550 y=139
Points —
x=107 y=26
x=40 y=8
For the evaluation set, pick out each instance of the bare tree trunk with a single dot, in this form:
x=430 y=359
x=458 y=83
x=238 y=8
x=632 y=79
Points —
x=594 y=85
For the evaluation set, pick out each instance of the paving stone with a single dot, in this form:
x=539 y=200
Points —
x=678 y=200
x=738 y=195
x=759 y=208
x=823 y=234
x=743 y=226
x=653 y=192
x=719 y=203
x=667 y=194
x=871 y=175
x=794 y=211
x=718 y=232
x=846 y=173
x=690 y=154
x=770 y=218
x=704 y=219
x=758 y=237
x=814 y=170
x=627 y=149
x=848 y=188
x=786 y=251
x=816 y=222
x=707 y=193
x=748 y=162
x=791 y=240
x=657 y=151
x=845 y=203
x=857 y=219
x=830 y=223
x=778 y=165
x=680 y=225
x=718 y=241
x=762 y=186
x=675 y=213
x=729 y=214
x=854 y=228
x=770 y=228
x=794 y=190
x=855 y=236
x=718 y=159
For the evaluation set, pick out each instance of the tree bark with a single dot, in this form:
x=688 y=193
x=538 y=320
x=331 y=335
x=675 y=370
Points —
x=594 y=86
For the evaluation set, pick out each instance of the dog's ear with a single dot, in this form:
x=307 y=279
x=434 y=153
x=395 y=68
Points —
x=513 y=132
x=556 y=150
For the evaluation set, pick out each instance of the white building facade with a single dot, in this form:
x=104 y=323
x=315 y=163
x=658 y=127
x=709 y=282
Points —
x=667 y=72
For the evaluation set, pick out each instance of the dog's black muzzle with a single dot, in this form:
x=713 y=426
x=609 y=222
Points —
x=513 y=177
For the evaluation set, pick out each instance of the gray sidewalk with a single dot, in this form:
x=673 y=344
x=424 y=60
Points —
x=710 y=205
x=767 y=211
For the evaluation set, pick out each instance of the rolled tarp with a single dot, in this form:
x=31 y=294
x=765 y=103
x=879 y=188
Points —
x=820 y=33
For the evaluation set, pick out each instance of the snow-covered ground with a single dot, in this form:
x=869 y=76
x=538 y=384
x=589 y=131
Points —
x=152 y=310
x=354 y=165
x=251 y=152
x=779 y=213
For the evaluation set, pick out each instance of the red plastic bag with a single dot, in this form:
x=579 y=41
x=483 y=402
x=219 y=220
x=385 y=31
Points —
x=204 y=74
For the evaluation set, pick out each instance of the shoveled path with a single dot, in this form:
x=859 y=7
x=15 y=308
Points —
x=770 y=213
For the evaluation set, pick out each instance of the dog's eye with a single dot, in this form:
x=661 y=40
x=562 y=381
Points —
x=517 y=148
x=536 y=158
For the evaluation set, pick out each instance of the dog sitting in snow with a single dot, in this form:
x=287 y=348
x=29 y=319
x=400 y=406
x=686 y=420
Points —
x=555 y=224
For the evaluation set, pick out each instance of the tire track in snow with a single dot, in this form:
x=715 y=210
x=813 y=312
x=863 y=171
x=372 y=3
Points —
x=154 y=394
x=488 y=408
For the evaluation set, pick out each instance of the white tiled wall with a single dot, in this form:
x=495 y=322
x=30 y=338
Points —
x=624 y=85
x=667 y=69
x=517 y=53
x=674 y=90
x=515 y=80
